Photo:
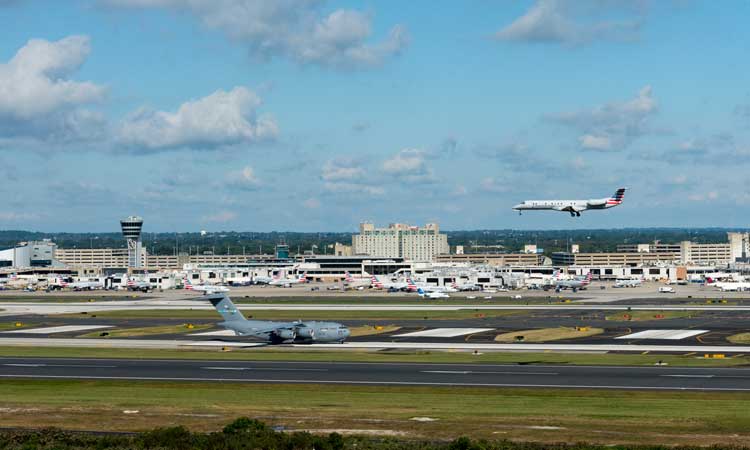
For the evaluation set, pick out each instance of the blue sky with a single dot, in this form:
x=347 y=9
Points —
x=313 y=116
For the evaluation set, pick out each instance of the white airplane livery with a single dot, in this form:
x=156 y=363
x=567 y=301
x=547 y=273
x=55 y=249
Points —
x=574 y=207
x=204 y=288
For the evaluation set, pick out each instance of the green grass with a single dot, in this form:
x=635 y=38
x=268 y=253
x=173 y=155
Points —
x=425 y=314
x=642 y=316
x=145 y=331
x=291 y=354
x=12 y=326
x=592 y=415
x=741 y=338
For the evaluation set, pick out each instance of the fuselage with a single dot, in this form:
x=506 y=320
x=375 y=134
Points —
x=299 y=332
x=561 y=205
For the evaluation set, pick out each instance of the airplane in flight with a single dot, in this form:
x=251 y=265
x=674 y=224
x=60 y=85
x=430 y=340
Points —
x=288 y=282
x=298 y=332
x=574 y=207
x=205 y=288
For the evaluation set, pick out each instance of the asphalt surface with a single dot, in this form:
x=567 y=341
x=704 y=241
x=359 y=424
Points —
x=458 y=375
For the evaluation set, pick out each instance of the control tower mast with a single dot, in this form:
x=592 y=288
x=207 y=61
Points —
x=131 y=230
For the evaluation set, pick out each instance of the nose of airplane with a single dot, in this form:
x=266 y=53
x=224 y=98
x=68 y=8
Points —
x=518 y=206
x=346 y=332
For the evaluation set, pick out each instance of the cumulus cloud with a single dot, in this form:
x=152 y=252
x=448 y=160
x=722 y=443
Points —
x=220 y=217
x=576 y=22
x=244 y=179
x=409 y=165
x=39 y=100
x=311 y=203
x=347 y=176
x=217 y=120
x=342 y=169
x=613 y=126
x=297 y=29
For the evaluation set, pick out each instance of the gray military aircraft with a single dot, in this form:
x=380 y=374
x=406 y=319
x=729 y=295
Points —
x=298 y=332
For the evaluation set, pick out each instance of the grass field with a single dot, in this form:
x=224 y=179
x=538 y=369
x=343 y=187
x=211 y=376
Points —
x=292 y=354
x=301 y=314
x=538 y=415
x=145 y=331
x=643 y=316
x=548 y=334
x=369 y=330
x=741 y=338
x=4 y=326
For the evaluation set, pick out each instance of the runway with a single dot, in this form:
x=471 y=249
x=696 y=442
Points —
x=35 y=308
x=395 y=374
x=373 y=345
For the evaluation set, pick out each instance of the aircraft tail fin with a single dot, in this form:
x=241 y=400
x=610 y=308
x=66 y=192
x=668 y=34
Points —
x=617 y=197
x=225 y=308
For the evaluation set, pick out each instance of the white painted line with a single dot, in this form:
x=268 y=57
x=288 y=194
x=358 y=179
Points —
x=687 y=376
x=272 y=369
x=214 y=333
x=479 y=372
x=384 y=383
x=55 y=365
x=444 y=332
x=672 y=335
x=60 y=329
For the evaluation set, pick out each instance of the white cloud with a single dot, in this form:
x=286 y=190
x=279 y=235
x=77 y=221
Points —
x=311 y=203
x=244 y=179
x=220 y=217
x=493 y=185
x=613 y=126
x=408 y=160
x=39 y=101
x=576 y=22
x=353 y=188
x=292 y=28
x=346 y=176
x=10 y=216
x=217 y=120
x=591 y=142
x=341 y=169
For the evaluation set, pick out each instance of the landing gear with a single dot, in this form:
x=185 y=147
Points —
x=575 y=214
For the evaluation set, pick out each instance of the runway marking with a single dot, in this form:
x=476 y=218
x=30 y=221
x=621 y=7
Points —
x=687 y=376
x=60 y=329
x=444 y=332
x=55 y=365
x=483 y=372
x=663 y=334
x=273 y=369
x=214 y=333
x=385 y=383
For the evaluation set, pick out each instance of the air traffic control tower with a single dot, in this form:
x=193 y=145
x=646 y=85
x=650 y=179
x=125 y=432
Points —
x=131 y=230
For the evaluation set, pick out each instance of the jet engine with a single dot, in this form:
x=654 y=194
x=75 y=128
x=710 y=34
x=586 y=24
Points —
x=306 y=332
x=285 y=335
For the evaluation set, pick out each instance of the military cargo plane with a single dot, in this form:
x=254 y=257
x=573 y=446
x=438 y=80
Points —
x=298 y=332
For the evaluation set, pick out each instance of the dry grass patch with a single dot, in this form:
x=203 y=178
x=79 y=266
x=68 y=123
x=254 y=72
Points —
x=369 y=330
x=145 y=331
x=548 y=334
x=741 y=338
